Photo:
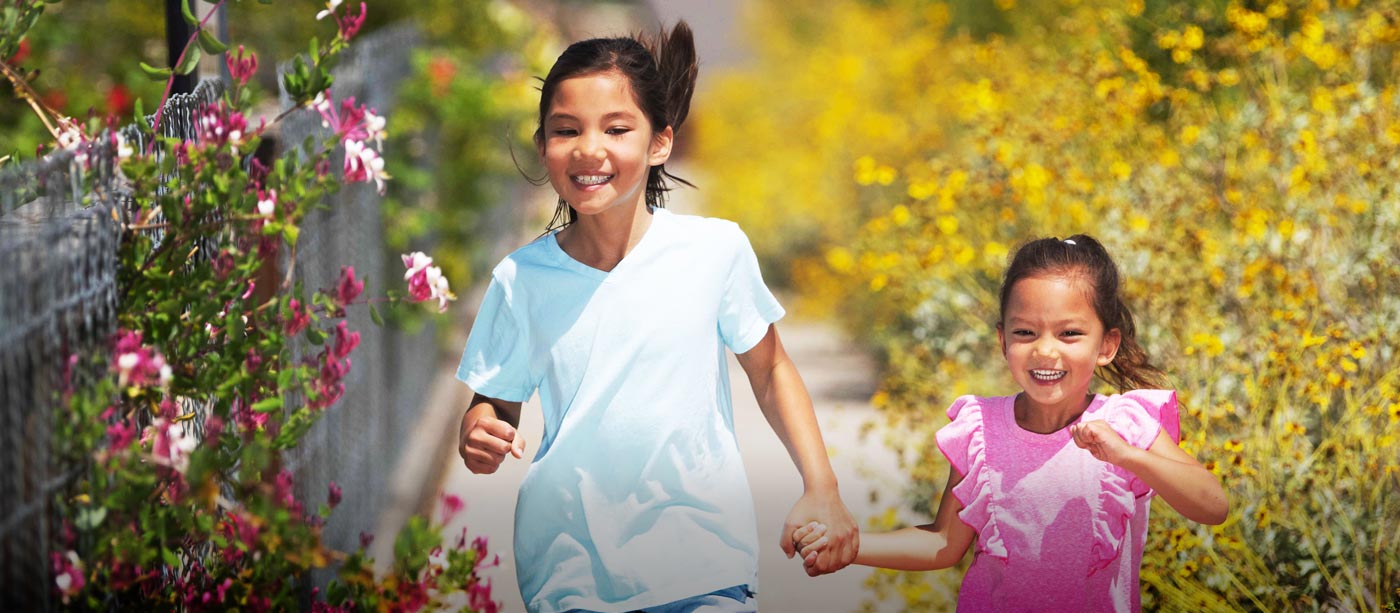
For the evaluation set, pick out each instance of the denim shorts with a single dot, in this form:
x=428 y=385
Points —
x=737 y=599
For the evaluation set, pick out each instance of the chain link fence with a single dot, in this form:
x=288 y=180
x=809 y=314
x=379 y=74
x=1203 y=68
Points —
x=59 y=298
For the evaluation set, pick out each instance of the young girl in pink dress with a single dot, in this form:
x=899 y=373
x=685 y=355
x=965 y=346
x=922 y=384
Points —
x=1053 y=484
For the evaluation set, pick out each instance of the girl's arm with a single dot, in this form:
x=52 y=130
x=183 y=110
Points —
x=488 y=434
x=1177 y=477
x=934 y=546
x=783 y=398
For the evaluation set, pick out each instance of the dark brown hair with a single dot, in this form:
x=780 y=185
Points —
x=661 y=71
x=1082 y=256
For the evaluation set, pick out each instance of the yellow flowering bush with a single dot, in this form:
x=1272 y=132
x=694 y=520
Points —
x=1240 y=161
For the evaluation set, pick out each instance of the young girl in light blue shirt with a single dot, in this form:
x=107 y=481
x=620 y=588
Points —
x=620 y=318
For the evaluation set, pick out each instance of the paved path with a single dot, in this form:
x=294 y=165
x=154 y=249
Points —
x=840 y=382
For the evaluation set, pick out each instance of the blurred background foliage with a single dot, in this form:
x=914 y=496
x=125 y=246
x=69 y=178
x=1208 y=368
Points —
x=470 y=97
x=1239 y=158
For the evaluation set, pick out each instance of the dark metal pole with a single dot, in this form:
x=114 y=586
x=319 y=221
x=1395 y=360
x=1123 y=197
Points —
x=177 y=33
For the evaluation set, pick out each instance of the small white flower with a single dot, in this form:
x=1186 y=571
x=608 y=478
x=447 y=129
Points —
x=124 y=148
x=63 y=581
x=269 y=204
x=415 y=262
x=330 y=9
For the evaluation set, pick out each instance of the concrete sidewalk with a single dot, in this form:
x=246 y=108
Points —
x=840 y=380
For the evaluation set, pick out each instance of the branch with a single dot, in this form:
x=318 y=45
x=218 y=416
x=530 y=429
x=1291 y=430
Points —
x=169 y=83
x=23 y=90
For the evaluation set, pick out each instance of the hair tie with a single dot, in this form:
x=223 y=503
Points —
x=1070 y=242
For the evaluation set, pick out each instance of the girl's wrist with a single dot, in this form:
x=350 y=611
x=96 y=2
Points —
x=822 y=484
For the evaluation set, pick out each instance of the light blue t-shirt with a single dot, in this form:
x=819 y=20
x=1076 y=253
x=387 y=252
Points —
x=637 y=495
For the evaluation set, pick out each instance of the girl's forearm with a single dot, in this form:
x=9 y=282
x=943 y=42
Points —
x=788 y=409
x=1185 y=485
x=914 y=548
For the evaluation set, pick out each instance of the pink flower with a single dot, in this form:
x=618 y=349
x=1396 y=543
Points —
x=213 y=427
x=349 y=25
x=365 y=540
x=451 y=506
x=479 y=597
x=68 y=574
x=120 y=435
x=241 y=67
x=137 y=365
x=348 y=123
x=333 y=497
x=298 y=320
x=172 y=445
x=217 y=125
x=246 y=417
x=345 y=341
x=347 y=289
x=364 y=164
x=425 y=282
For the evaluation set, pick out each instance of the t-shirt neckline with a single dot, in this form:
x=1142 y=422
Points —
x=657 y=215
x=1008 y=417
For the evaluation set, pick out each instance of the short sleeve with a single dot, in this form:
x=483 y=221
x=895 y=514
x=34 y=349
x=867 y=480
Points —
x=495 y=361
x=747 y=306
x=1138 y=415
x=963 y=441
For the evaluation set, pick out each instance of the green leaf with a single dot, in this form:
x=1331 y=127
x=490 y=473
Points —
x=90 y=518
x=316 y=336
x=187 y=11
x=374 y=315
x=156 y=74
x=140 y=112
x=290 y=232
x=210 y=43
x=284 y=378
x=267 y=405
x=190 y=61
x=170 y=558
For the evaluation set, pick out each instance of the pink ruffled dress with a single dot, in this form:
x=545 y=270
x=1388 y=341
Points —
x=1057 y=530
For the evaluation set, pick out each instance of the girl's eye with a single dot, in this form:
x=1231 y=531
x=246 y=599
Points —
x=565 y=132
x=1073 y=333
x=618 y=130
x=1022 y=333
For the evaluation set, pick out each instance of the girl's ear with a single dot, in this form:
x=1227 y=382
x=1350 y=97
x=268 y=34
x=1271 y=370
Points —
x=1001 y=339
x=1109 y=350
x=661 y=147
x=539 y=143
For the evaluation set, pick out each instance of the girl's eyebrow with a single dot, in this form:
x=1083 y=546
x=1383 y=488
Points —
x=1072 y=321
x=609 y=117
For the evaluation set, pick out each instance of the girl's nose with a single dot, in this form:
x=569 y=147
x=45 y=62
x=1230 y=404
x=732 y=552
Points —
x=1044 y=348
x=589 y=146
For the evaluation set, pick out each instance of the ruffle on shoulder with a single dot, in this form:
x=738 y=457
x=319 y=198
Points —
x=963 y=442
x=1137 y=416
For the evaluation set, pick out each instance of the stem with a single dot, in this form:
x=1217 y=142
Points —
x=169 y=83
x=23 y=90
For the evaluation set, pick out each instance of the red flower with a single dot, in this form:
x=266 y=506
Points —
x=334 y=495
x=20 y=54
x=119 y=100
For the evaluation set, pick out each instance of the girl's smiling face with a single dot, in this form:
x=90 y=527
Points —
x=1053 y=340
x=597 y=145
